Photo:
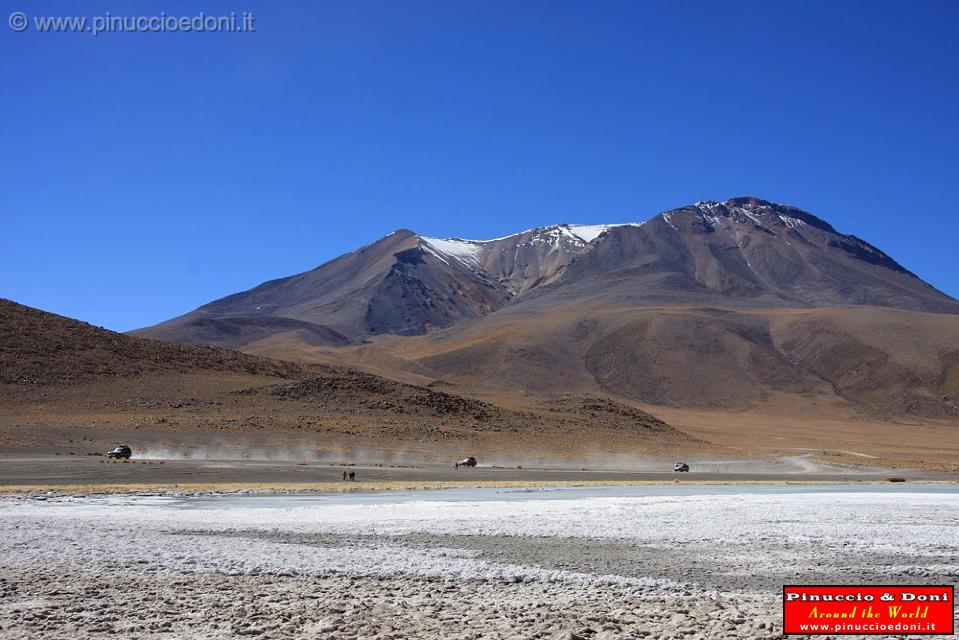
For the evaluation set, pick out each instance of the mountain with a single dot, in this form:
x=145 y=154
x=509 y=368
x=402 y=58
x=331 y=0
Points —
x=733 y=305
x=403 y=284
x=743 y=252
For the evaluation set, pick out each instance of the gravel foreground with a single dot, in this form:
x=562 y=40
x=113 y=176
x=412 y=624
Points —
x=684 y=566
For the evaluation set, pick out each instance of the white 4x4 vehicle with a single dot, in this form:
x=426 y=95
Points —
x=681 y=466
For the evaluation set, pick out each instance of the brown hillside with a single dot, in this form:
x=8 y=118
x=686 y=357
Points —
x=41 y=348
x=58 y=372
x=867 y=362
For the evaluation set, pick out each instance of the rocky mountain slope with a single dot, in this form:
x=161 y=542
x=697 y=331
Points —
x=402 y=284
x=717 y=305
x=854 y=362
x=744 y=252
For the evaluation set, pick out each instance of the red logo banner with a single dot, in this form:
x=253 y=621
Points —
x=868 y=610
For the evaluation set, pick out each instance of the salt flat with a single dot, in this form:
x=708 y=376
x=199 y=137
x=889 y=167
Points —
x=673 y=564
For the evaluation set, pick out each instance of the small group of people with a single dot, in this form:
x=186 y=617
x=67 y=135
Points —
x=351 y=475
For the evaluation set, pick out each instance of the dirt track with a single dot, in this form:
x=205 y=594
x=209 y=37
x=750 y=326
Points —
x=65 y=471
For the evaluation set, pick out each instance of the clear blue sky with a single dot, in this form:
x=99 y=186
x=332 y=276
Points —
x=142 y=175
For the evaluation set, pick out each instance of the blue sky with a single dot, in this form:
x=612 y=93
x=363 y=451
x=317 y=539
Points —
x=143 y=174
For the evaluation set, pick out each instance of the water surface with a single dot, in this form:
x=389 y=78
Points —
x=486 y=494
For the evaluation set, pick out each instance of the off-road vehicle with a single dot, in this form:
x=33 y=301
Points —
x=122 y=452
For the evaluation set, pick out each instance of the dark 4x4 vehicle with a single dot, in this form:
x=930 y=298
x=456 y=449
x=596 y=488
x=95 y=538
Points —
x=122 y=452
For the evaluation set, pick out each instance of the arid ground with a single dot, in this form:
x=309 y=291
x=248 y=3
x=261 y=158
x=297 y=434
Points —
x=665 y=562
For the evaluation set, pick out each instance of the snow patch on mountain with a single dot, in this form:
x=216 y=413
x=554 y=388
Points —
x=469 y=252
x=585 y=232
x=590 y=232
x=553 y=236
x=473 y=253
x=792 y=223
x=759 y=214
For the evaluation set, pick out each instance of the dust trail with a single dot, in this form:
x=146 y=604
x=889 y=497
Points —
x=793 y=464
x=236 y=450
x=299 y=452
x=310 y=452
